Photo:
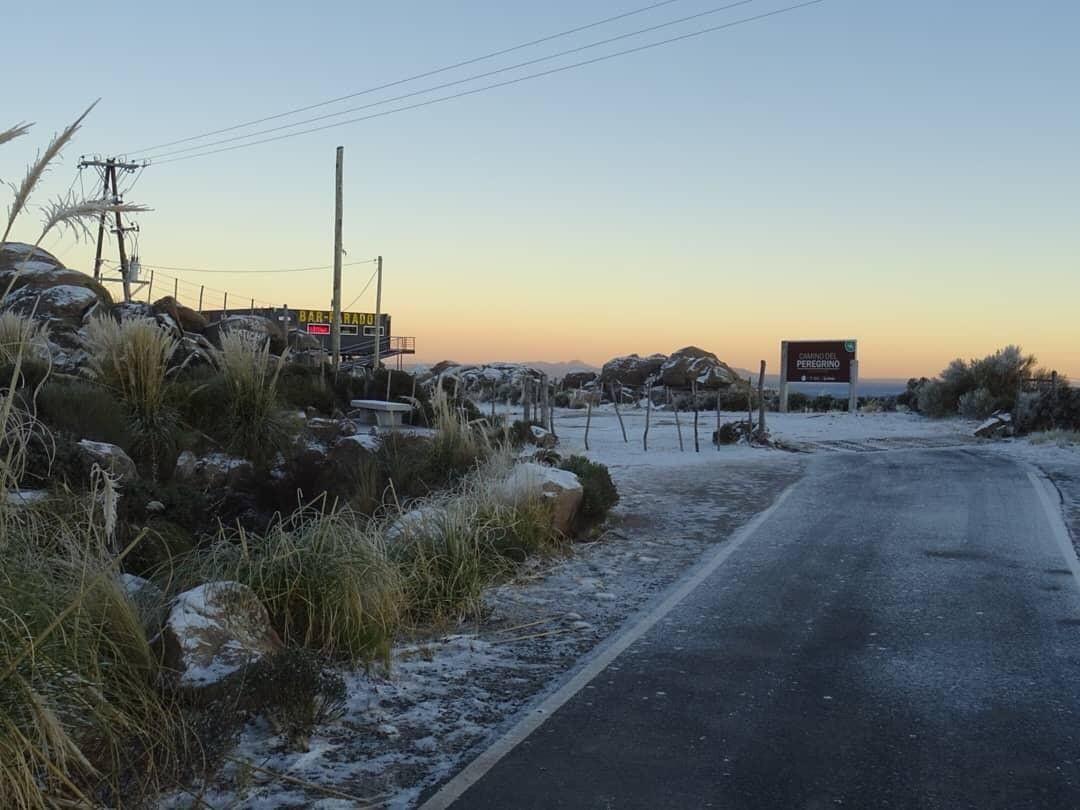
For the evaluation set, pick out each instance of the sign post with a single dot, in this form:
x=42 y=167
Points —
x=819 y=361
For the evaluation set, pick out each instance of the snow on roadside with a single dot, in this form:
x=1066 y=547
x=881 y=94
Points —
x=1059 y=463
x=407 y=731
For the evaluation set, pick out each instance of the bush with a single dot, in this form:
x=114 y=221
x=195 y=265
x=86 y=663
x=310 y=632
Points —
x=977 y=404
x=798 y=402
x=1049 y=410
x=562 y=399
x=305 y=387
x=600 y=493
x=998 y=375
x=325 y=580
x=84 y=410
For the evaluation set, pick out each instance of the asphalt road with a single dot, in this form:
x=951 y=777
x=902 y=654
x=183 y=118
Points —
x=903 y=631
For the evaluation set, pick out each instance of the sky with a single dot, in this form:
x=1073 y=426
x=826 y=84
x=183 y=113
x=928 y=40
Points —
x=903 y=173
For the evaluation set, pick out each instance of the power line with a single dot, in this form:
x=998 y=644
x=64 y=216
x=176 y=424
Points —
x=424 y=75
x=467 y=79
x=358 y=297
x=274 y=270
x=508 y=82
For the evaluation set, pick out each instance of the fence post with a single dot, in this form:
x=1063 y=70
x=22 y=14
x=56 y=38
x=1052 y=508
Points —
x=693 y=394
x=615 y=402
x=176 y=289
x=202 y=287
x=678 y=426
x=761 y=403
x=588 y=422
x=648 y=413
x=150 y=286
x=225 y=302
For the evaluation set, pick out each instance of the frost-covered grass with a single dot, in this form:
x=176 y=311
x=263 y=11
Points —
x=81 y=718
x=1060 y=438
x=324 y=576
x=454 y=547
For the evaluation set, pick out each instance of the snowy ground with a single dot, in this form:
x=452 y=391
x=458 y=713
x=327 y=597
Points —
x=407 y=731
x=1061 y=464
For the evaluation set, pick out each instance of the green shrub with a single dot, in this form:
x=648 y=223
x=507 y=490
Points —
x=977 y=404
x=998 y=375
x=84 y=410
x=600 y=493
x=305 y=387
x=325 y=580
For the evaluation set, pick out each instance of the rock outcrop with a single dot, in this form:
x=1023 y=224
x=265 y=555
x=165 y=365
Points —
x=632 y=369
x=693 y=366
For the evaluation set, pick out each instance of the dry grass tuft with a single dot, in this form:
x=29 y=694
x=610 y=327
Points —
x=132 y=360
x=36 y=170
x=323 y=575
x=251 y=373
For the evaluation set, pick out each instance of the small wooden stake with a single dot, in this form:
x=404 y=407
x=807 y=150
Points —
x=718 y=419
x=648 y=412
x=588 y=421
x=615 y=402
x=678 y=426
x=749 y=410
x=693 y=393
x=761 y=403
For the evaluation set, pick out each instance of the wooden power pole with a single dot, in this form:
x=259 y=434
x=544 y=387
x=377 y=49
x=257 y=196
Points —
x=335 y=324
x=110 y=168
x=378 y=315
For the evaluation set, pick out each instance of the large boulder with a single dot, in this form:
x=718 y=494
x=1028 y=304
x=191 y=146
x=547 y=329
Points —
x=259 y=328
x=530 y=481
x=41 y=272
x=110 y=458
x=63 y=307
x=632 y=369
x=578 y=379
x=691 y=365
x=215 y=630
x=185 y=317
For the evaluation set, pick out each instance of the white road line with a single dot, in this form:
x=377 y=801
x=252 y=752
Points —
x=476 y=769
x=1043 y=488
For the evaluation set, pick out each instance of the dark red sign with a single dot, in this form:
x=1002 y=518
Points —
x=820 y=361
x=318 y=328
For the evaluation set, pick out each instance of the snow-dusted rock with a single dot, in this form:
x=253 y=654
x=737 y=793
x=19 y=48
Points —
x=215 y=630
x=25 y=497
x=187 y=319
x=631 y=369
x=110 y=458
x=561 y=487
x=691 y=365
x=213 y=471
x=259 y=328
x=66 y=304
x=579 y=379
x=424 y=521
x=543 y=438
x=997 y=426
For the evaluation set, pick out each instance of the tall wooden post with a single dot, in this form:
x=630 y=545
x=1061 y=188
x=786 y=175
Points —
x=783 y=377
x=335 y=323
x=101 y=227
x=378 y=314
x=853 y=394
x=120 y=236
x=761 y=403
x=693 y=394
x=615 y=402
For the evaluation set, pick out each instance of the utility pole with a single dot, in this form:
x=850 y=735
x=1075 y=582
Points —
x=109 y=168
x=335 y=324
x=378 y=315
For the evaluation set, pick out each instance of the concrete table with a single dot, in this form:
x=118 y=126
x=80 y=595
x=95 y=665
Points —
x=382 y=414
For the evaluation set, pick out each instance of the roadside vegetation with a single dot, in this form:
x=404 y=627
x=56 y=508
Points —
x=168 y=464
